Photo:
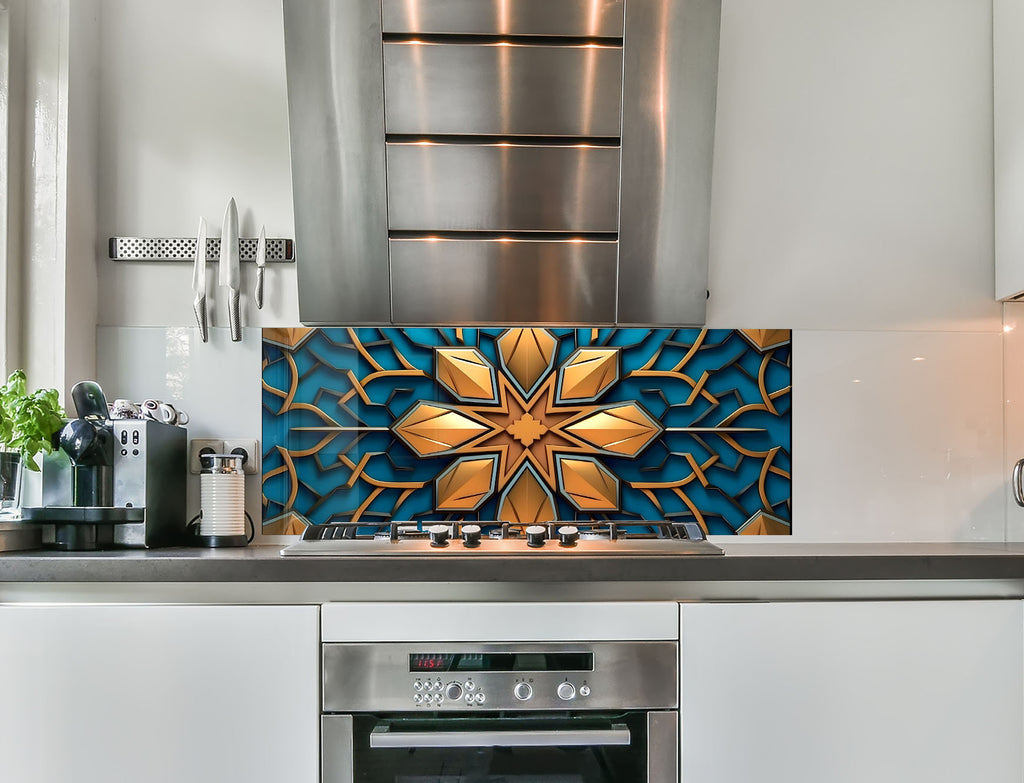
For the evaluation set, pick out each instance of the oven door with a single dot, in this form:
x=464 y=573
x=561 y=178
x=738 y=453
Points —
x=630 y=747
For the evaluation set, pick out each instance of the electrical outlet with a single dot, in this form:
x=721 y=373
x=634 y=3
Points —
x=199 y=446
x=249 y=448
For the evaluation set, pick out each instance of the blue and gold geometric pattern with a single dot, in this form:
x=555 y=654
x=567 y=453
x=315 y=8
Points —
x=527 y=425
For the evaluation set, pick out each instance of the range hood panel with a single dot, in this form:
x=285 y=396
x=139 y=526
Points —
x=503 y=282
x=437 y=88
x=595 y=18
x=489 y=187
x=578 y=132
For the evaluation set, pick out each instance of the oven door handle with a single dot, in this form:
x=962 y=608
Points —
x=382 y=737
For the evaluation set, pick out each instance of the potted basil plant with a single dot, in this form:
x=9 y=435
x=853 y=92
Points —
x=28 y=423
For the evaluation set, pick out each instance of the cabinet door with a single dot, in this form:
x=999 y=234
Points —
x=852 y=692
x=1008 y=119
x=159 y=694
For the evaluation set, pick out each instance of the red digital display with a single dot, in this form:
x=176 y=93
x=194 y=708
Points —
x=430 y=662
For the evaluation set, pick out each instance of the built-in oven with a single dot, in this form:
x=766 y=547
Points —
x=515 y=712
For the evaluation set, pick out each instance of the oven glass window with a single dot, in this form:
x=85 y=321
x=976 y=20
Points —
x=534 y=755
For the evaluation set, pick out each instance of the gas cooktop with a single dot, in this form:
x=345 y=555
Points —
x=634 y=538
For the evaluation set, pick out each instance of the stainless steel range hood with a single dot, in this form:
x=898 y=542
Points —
x=502 y=161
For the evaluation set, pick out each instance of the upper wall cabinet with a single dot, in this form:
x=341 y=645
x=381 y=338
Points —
x=492 y=162
x=1008 y=108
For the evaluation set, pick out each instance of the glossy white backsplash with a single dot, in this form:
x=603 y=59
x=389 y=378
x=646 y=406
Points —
x=217 y=383
x=896 y=436
x=1013 y=389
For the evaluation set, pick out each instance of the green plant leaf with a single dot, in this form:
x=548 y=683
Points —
x=28 y=421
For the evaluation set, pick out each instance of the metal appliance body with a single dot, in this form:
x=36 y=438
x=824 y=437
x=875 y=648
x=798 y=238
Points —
x=550 y=160
x=519 y=710
x=148 y=476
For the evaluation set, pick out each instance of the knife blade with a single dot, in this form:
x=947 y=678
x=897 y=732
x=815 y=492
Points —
x=229 y=274
x=199 y=282
x=261 y=262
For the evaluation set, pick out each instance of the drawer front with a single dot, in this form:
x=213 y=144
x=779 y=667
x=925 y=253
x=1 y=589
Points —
x=502 y=187
x=502 y=89
x=596 y=18
x=503 y=281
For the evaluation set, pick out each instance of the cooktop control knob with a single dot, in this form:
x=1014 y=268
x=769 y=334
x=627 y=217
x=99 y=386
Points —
x=568 y=535
x=471 y=535
x=566 y=691
x=438 y=535
x=453 y=691
x=535 y=535
x=522 y=691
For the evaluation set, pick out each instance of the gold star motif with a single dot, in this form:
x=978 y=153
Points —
x=526 y=429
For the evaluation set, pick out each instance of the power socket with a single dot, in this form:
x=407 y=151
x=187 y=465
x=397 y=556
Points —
x=249 y=448
x=199 y=446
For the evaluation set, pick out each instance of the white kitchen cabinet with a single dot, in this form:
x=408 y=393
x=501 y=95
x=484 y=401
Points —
x=1008 y=135
x=850 y=692
x=159 y=694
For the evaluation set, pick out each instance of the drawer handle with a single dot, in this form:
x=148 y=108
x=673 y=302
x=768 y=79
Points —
x=1018 y=489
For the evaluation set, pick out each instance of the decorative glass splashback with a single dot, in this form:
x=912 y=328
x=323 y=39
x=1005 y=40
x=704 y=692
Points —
x=527 y=425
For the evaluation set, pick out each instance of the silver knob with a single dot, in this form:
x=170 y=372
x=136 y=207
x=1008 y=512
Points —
x=453 y=691
x=535 y=535
x=438 y=535
x=566 y=691
x=471 y=535
x=522 y=691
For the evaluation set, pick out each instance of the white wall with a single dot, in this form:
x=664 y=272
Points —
x=852 y=202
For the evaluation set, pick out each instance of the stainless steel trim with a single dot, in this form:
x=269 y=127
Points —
x=502 y=90
x=496 y=187
x=503 y=548
x=524 y=17
x=670 y=82
x=1016 y=484
x=490 y=281
x=663 y=747
x=336 y=748
x=336 y=120
x=382 y=737
x=375 y=677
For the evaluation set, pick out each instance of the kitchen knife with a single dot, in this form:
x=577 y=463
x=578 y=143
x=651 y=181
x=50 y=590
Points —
x=229 y=275
x=199 y=281
x=261 y=262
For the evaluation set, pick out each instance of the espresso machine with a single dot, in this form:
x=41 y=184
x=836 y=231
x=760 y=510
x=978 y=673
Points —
x=113 y=483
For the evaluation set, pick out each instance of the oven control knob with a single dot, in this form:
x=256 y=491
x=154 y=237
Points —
x=471 y=535
x=453 y=691
x=438 y=535
x=566 y=691
x=535 y=535
x=568 y=535
x=584 y=690
x=522 y=691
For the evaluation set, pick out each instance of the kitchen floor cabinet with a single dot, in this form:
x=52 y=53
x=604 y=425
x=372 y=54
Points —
x=852 y=692
x=159 y=694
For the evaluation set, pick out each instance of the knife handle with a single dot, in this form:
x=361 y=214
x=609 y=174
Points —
x=199 y=306
x=258 y=293
x=234 y=317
